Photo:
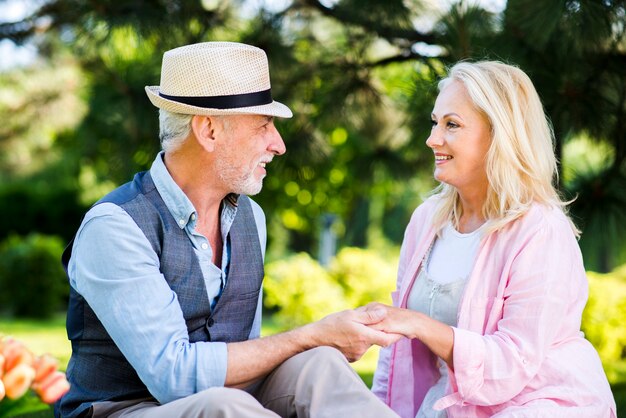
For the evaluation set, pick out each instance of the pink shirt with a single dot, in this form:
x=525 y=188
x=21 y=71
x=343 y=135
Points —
x=518 y=349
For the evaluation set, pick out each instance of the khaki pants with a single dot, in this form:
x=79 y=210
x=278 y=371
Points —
x=318 y=383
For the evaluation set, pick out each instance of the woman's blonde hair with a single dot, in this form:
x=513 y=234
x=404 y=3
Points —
x=520 y=163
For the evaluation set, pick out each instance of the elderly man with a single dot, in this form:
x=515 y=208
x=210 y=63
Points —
x=166 y=271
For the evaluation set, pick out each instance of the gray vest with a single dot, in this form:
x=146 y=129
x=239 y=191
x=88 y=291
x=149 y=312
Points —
x=97 y=370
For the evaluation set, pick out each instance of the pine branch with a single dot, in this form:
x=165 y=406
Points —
x=402 y=57
x=393 y=35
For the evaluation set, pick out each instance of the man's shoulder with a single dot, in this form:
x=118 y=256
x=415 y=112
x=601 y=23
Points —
x=106 y=215
x=127 y=191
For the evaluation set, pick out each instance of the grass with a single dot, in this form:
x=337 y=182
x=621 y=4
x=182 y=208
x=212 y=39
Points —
x=48 y=336
x=40 y=336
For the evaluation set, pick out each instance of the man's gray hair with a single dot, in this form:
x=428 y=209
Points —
x=174 y=128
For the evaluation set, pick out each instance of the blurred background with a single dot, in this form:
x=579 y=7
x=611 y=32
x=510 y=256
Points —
x=360 y=77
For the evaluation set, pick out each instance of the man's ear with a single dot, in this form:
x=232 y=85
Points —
x=203 y=128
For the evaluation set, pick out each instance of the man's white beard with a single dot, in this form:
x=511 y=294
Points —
x=246 y=185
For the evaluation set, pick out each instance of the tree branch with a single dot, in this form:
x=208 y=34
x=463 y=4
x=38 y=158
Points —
x=402 y=57
x=388 y=33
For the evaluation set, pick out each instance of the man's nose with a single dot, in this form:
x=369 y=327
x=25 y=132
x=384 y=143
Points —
x=276 y=145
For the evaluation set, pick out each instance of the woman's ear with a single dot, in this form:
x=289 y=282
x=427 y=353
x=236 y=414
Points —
x=203 y=128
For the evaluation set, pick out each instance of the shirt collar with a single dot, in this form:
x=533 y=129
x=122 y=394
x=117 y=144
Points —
x=177 y=201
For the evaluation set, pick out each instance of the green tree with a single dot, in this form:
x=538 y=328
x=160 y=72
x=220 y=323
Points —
x=575 y=51
x=360 y=76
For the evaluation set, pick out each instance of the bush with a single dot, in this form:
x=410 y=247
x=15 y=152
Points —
x=32 y=280
x=603 y=320
x=48 y=210
x=302 y=291
x=364 y=275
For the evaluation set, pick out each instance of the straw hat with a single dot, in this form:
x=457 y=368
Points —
x=216 y=78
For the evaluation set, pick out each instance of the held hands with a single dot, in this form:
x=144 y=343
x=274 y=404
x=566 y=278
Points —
x=437 y=336
x=353 y=332
x=395 y=320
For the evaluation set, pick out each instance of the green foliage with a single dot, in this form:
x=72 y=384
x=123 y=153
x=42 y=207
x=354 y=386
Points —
x=32 y=280
x=364 y=275
x=27 y=206
x=619 y=393
x=302 y=291
x=358 y=74
x=35 y=112
x=600 y=211
x=603 y=320
x=41 y=335
x=28 y=406
x=465 y=29
x=599 y=206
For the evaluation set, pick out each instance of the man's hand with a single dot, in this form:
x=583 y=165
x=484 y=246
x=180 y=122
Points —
x=437 y=336
x=395 y=320
x=348 y=331
x=352 y=332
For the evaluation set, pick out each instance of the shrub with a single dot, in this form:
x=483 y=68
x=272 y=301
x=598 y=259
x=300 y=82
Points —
x=48 y=210
x=302 y=291
x=603 y=320
x=364 y=275
x=32 y=280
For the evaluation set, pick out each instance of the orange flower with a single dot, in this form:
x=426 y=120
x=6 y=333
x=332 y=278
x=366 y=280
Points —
x=52 y=387
x=17 y=380
x=44 y=365
x=20 y=370
x=15 y=353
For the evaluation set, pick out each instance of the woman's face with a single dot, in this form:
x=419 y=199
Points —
x=460 y=138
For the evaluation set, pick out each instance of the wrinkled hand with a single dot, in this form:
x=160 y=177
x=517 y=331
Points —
x=437 y=336
x=395 y=320
x=352 y=332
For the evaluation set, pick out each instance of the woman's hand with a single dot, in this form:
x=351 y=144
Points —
x=437 y=336
x=396 y=320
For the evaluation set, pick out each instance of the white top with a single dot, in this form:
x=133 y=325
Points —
x=453 y=255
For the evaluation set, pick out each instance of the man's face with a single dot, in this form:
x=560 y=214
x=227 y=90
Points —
x=251 y=142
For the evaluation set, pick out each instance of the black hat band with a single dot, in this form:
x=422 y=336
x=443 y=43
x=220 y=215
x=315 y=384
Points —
x=232 y=101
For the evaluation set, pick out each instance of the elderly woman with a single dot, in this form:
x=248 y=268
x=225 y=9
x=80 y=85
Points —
x=491 y=285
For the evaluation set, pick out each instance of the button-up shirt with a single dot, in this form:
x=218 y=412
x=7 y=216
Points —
x=518 y=349
x=114 y=267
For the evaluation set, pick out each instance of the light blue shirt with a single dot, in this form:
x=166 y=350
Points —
x=114 y=267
